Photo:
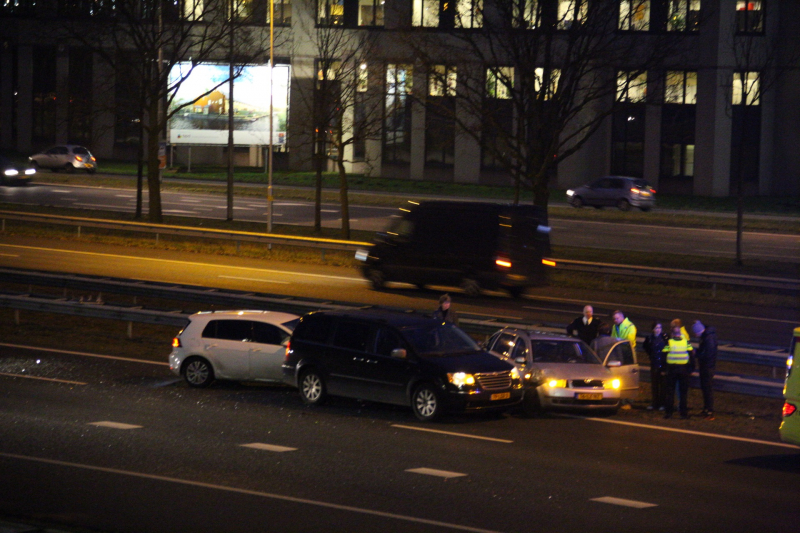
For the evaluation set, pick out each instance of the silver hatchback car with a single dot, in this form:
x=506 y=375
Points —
x=67 y=157
x=562 y=372
x=620 y=191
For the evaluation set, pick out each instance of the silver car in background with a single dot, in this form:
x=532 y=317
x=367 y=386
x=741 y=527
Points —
x=67 y=157
x=620 y=191
x=560 y=372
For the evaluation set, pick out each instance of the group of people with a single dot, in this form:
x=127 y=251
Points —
x=672 y=357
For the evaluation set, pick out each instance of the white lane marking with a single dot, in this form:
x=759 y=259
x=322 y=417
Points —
x=242 y=208
x=433 y=472
x=177 y=211
x=255 y=279
x=172 y=261
x=623 y=502
x=84 y=354
x=679 y=311
x=100 y=206
x=62 y=191
x=125 y=196
x=190 y=201
x=114 y=425
x=268 y=447
x=504 y=441
x=267 y=495
x=9 y=255
x=685 y=431
x=43 y=379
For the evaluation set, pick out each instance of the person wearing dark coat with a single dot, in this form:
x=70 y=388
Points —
x=706 y=356
x=654 y=346
x=585 y=327
x=444 y=312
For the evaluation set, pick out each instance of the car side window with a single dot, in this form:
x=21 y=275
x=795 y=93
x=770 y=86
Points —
x=62 y=150
x=353 y=336
x=520 y=349
x=505 y=344
x=232 y=330
x=387 y=341
x=314 y=328
x=623 y=353
x=268 y=334
x=617 y=184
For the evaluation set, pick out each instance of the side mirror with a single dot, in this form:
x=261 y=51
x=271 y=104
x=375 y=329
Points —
x=614 y=363
x=400 y=353
x=520 y=360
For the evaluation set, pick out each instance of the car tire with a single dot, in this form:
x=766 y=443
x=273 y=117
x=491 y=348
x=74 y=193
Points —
x=377 y=279
x=69 y=169
x=426 y=403
x=624 y=205
x=531 y=405
x=91 y=170
x=197 y=372
x=577 y=201
x=645 y=209
x=470 y=286
x=312 y=388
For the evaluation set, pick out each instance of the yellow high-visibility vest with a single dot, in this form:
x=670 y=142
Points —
x=678 y=351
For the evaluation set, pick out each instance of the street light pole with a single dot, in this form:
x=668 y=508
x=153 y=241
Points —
x=271 y=72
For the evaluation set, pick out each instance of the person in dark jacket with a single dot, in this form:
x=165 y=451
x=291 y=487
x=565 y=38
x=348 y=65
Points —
x=585 y=327
x=706 y=356
x=654 y=345
x=444 y=312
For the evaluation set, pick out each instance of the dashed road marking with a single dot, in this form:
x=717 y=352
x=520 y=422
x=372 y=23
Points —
x=433 y=472
x=452 y=434
x=268 y=447
x=114 y=425
x=43 y=379
x=84 y=354
x=623 y=502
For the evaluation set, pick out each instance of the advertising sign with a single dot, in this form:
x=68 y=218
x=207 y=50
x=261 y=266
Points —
x=205 y=119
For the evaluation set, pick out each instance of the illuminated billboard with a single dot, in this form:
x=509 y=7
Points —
x=205 y=119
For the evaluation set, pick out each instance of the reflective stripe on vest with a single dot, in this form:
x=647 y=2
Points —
x=678 y=352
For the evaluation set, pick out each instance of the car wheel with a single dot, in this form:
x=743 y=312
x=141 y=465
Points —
x=426 y=403
x=69 y=168
x=577 y=201
x=91 y=170
x=471 y=286
x=531 y=405
x=377 y=279
x=312 y=388
x=197 y=372
x=645 y=209
x=624 y=205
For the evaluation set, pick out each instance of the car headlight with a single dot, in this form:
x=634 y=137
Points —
x=11 y=172
x=361 y=255
x=615 y=384
x=570 y=192
x=557 y=383
x=514 y=373
x=459 y=379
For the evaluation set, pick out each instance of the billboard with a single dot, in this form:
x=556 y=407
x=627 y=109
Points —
x=205 y=119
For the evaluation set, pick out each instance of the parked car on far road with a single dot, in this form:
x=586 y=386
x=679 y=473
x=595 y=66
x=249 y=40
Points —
x=235 y=345
x=12 y=173
x=67 y=157
x=562 y=372
x=620 y=191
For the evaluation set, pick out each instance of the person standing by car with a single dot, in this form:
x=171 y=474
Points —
x=654 y=346
x=706 y=356
x=624 y=329
x=444 y=312
x=678 y=371
x=585 y=327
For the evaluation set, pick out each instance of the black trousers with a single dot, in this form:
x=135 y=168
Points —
x=677 y=375
x=706 y=378
x=658 y=386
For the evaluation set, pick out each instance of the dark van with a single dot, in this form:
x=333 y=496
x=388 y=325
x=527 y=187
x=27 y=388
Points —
x=468 y=244
x=397 y=358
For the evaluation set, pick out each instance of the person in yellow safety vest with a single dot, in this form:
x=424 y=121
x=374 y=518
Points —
x=679 y=368
x=624 y=329
x=677 y=322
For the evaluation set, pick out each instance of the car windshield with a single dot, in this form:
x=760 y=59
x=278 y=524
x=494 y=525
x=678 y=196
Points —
x=439 y=339
x=5 y=163
x=80 y=150
x=641 y=184
x=555 y=351
x=290 y=325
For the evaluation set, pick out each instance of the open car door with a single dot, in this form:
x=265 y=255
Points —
x=621 y=360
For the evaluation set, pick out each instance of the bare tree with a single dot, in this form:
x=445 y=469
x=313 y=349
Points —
x=537 y=78
x=341 y=109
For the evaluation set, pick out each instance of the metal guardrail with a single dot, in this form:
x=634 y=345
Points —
x=606 y=269
x=766 y=356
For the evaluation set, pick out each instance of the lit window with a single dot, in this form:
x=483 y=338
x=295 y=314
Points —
x=469 y=13
x=193 y=9
x=500 y=82
x=330 y=13
x=362 y=78
x=746 y=88
x=526 y=14
x=680 y=87
x=553 y=82
x=425 y=13
x=283 y=12
x=631 y=87
x=634 y=15
x=370 y=12
x=442 y=81
x=570 y=11
x=750 y=16
x=683 y=15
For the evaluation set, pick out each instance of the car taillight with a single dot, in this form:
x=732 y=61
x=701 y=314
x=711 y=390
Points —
x=789 y=409
x=176 y=342
x=94 y=159
x=634 y=190
x=502 y=261
x=78 y=158
x=652 y=190
x=288 y=349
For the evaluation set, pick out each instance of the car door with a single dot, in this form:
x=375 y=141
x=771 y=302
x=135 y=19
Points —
x=387 y=370
x=266 y=351
x=348 y=359
x=621 y=361
x=226 y=344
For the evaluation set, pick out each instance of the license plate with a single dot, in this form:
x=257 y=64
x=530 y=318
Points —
x=500 y=396
x=589 y=396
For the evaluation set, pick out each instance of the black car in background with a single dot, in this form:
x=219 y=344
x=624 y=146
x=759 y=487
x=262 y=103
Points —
x=473 y=245
x=12 y=173
x=397 y=358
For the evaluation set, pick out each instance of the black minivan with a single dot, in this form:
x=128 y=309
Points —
x=397 y=358
x=473 y=245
